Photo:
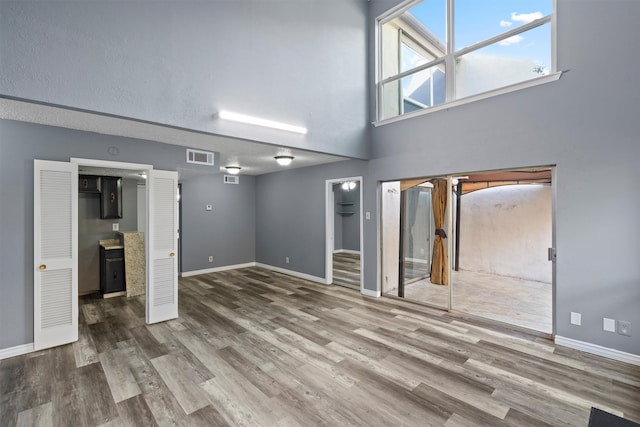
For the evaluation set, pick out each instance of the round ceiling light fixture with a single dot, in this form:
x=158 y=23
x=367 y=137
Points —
x=284 y=160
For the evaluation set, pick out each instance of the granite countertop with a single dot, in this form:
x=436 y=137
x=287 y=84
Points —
x=109 y=244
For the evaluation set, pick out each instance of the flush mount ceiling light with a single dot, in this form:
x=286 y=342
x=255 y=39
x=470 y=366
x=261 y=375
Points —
x=233 y=170
x=284 y=160
x=243 y=118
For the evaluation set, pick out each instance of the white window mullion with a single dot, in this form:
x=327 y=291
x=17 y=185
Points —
x=449 y=63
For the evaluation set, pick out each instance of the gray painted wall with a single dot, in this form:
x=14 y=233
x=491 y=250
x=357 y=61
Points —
x=590 y=131
x=227 y=232
x=351 y=223
x=91 y=229
x=20 y=143
x=346 y=226
x=290 y=215
x=297 y=61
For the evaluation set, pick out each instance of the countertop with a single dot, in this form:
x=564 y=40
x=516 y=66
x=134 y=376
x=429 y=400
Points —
x=110 y=244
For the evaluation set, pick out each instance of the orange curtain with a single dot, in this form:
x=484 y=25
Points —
x=440 y=259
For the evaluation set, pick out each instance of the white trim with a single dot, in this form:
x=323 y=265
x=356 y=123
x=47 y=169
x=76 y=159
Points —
x=330 y=227
x=610 y=353
x=346 y=251
x=292 y=273
x=552 y=77
x=217 y=269
x=18 y=350
x=109 y=164
x=370 y=293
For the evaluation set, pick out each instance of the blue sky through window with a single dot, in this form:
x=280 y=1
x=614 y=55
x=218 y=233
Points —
x=478 y=20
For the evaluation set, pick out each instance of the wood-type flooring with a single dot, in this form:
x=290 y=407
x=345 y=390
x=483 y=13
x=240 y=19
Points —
x=259 y=348
x=346 y=270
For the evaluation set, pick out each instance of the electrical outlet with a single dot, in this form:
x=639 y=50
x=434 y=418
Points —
x=576 y=319
x=286 y=259
x=624 y=327
x=210 y=258
x=608 y=325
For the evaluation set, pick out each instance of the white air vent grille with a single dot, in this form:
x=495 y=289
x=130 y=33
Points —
x=231 y=179
x=199 y=157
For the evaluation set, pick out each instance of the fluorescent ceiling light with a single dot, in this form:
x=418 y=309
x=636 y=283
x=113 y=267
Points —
x=243 y=118
x=233 y=170
x=284 y=160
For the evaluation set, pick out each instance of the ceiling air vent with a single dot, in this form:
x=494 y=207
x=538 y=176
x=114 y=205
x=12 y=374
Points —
x=199 y=157
x=231 y=179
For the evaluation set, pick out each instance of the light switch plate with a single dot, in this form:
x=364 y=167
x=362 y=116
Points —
x=609 y=325
x=576 y=318
x=368 y=215
x=115 y=226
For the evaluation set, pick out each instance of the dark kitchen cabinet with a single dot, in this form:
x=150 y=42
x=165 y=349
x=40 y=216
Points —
x=111 y=197
x=112 y=270
x=89 y=184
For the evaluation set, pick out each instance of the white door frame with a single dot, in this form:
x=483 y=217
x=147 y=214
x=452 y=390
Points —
x=449 y=220
x=125 y=166
x=330 y=228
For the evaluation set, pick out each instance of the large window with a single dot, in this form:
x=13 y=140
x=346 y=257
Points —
x=433 y=52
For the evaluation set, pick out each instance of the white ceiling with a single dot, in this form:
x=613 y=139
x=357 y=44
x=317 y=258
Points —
x=254 y=158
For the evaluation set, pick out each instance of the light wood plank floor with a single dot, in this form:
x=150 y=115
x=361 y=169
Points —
x=346 y=270
x=253 y=347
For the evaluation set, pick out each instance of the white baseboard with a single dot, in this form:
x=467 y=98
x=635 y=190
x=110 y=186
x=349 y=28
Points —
x=370 y=293
x=293 y=273
x=610 y=353
x=346 y=251
x=18 y=350
x=216 y=269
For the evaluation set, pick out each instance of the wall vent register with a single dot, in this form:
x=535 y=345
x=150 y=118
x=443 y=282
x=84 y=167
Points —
x=231 y=179
x=199 y=157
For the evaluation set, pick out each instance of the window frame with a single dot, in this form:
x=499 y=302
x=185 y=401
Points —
x=449 y=61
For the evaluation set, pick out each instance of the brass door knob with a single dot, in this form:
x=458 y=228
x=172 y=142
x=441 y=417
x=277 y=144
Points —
x=172 y=254
x=43 y=267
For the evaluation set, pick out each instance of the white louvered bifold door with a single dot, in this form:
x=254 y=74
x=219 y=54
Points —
x=55 y=227
x=162 y=243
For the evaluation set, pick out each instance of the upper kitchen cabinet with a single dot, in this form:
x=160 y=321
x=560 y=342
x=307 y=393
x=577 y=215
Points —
x=111 y=197
x=89 y=184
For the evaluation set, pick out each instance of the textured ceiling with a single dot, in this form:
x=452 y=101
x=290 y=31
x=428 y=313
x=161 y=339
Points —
x=253 y=157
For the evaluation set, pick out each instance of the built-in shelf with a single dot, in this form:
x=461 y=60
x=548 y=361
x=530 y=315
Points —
x=342 y=206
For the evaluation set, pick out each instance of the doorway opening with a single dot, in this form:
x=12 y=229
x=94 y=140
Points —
x=499 y=234
x=343 y=247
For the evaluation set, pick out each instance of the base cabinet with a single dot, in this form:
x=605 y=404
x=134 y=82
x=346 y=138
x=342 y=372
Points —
x=112 y=277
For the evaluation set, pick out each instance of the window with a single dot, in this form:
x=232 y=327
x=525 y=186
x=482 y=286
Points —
x=427 y=58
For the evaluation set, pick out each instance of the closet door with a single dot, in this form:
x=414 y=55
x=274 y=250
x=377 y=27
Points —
x=162 y=246
x=55 y=257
